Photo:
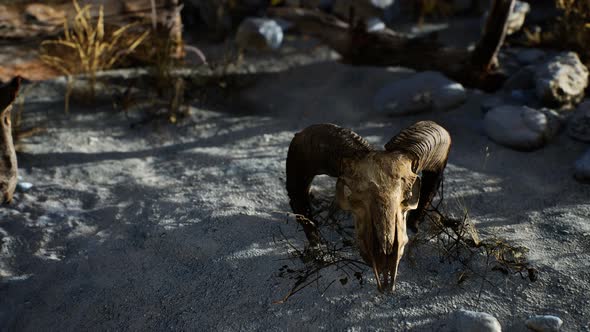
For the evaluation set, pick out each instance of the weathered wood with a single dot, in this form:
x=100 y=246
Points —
x=8 y=164
x=388 y=48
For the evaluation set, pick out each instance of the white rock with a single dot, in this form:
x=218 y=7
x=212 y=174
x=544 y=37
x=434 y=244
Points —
x=546 y=323
x=259 y=33
x=520 y=127
x=382 y=3
x=375 y=24
x=582 y=167
x=579 y=124
x=24 y=186
x=472 y=321
x=562 y=79
x=423 y=91
x=517 y=16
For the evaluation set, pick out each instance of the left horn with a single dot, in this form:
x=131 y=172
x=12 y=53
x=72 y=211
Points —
x=428 y=144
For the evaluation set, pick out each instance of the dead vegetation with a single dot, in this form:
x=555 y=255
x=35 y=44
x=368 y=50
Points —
x=568 y=31
x=88 y=46
x=454 y=239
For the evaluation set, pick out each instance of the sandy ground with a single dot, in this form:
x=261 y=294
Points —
x=179 y=227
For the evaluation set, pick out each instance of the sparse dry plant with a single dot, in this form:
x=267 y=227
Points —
x=573 y=27
x=88 y=47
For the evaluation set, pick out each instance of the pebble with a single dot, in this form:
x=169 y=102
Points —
x=472 y=321
x=259 y=33
x=582 y=167
x=545 y=323
x=579 y=124
x=520 y=127
x=561 y=80
x=24 y=186
x=421 y=92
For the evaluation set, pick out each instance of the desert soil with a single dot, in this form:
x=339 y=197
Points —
x=180 y=227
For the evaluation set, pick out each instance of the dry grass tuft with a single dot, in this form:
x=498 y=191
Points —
x=88 y=47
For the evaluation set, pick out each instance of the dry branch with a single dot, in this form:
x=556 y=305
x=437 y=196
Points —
x=357 y=46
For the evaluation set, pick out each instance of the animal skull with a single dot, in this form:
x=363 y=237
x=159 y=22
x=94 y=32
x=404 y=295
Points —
x=382 y=189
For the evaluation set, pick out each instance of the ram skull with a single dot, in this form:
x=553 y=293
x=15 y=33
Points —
x=384 y=190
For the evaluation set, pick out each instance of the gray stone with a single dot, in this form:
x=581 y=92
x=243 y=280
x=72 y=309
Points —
x=582 y=167
x=259 y=33
x=520 y=127
x=420 y=92
x=517 y=16
x=472 y=321
x=561 y=80
x=579 y=125
x=545 y=323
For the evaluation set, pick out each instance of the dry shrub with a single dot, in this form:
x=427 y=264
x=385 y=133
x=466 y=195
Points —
x=573 y=27
x=89 y=47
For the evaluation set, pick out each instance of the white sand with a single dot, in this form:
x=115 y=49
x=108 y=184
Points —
x=173 y=227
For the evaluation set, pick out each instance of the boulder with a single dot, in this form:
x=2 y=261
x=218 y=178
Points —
x=259 y=33
x=520 y=127
x=582 y=167
x=561 y=80
x=579 y=125
x=421 y=92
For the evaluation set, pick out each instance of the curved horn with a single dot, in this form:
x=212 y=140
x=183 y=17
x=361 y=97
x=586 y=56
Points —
x=428 y=144
x=318 y=149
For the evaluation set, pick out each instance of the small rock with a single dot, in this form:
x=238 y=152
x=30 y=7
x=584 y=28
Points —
x=561 y=80
x=582 y=167
x=471 y=321
x=259 y=33
x=381 y=3
x=530 y=56
x=521 y=127
x=579 y=124
x=517 y=16
x=375 y=24
x=24 y=186
x=544 y=323
x=423 y=91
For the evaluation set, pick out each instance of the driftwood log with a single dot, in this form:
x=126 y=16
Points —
x=8 y=165
x=473 y=68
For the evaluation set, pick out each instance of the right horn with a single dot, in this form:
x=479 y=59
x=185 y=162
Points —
x=318 y=149
x=428 y=144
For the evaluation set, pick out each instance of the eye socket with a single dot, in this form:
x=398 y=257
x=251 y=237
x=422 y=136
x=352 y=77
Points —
x=412 y=197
